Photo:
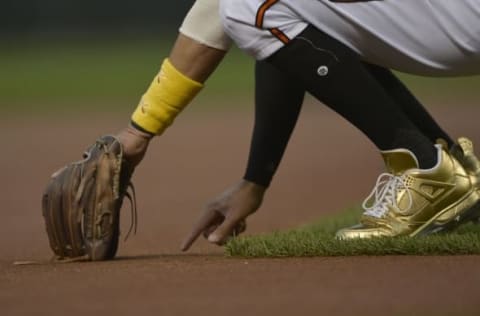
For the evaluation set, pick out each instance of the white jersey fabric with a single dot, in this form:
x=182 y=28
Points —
x=425 y=37
x=203 y=24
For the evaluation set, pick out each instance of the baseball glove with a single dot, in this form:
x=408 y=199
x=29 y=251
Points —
x=81 y=204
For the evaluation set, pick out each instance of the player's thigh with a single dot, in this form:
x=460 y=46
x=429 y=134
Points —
x=418 y=36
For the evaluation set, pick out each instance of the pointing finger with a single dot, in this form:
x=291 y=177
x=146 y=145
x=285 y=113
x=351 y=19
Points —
x=207 y=219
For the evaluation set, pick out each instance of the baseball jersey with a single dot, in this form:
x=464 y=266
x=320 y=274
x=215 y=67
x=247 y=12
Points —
x=425 y=37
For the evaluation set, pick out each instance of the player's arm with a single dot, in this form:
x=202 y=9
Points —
x=278 y=101
x=197 y=51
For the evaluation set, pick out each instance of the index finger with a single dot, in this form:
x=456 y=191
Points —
x=207 y=219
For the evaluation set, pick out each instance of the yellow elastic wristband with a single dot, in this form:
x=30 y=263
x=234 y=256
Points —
x=169 y=93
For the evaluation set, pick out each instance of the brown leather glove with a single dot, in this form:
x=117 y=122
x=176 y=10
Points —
x=81 y=204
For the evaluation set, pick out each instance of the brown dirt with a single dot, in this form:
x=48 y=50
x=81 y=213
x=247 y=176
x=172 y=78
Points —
x=328 y=166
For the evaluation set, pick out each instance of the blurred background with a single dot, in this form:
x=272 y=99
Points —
x=95 y=55
x=71 y=71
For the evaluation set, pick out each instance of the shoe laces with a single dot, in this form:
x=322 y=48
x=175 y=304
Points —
x=384 y=194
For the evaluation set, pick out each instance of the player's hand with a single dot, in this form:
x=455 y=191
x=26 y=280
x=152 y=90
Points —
x=224 y=217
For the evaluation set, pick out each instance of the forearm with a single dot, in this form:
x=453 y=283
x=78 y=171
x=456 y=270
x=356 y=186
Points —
x=194 y=63
x=278 y=101
x=193 y=59
x=198 y=50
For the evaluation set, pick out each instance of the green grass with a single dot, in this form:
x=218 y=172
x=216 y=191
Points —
x=318 y=240
x=41 y=75
x=107 y=73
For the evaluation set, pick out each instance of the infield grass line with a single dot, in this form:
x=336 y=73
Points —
x=318 y=239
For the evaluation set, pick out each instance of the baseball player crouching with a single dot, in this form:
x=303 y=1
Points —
x=334 y=49
x=344 y=62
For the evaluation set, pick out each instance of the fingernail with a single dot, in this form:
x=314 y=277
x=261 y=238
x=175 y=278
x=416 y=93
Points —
x=214 y=238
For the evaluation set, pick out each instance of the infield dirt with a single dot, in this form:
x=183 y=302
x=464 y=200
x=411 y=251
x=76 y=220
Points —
x=328 y=166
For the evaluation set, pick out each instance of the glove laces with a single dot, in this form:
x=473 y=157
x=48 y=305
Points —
x=384 y=194
x=130 y=195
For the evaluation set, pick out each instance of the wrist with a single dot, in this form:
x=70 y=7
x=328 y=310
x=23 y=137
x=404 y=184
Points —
x=138 y=131
x=252 y=186
x=135 y=144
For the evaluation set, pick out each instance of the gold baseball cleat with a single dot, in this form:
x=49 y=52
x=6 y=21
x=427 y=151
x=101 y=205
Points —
x=411 y=201
x=464 y=152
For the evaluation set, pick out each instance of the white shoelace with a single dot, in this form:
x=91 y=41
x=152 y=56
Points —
x=385 y=194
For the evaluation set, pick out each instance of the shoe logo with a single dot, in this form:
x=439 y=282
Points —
x=432 y=190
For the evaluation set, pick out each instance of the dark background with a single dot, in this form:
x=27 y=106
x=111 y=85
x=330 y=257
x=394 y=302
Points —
x=84 y=55
x=60 y=17
x=98 y=55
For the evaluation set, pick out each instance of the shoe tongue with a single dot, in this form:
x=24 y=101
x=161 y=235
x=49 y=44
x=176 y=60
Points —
x=399 y=160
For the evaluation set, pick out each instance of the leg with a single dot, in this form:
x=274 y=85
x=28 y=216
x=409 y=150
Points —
x=409 y=104
x=462 y=150
x=383 y=32
x=399 y=205
x=349 y=89
x=334 y=74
